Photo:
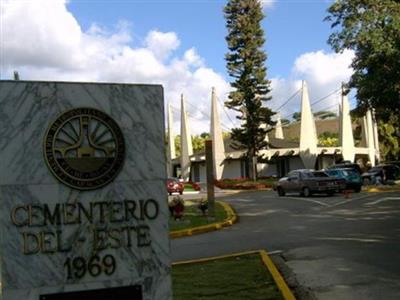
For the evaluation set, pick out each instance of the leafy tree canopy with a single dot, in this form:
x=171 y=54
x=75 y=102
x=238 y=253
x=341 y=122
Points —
x=371 y=28
x=285 y=122
x=198 y=142
x=321 y=115
x=296 y=116
x=389 y=138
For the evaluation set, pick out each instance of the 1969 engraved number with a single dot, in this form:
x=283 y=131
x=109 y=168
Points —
x=77 y=267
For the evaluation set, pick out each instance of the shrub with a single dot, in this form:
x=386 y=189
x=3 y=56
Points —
x=176 y=207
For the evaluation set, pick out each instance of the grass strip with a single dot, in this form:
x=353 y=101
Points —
x=188 y=187
x=193 y=217
x=237 y=277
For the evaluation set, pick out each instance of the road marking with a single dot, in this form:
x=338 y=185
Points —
x=298 y=198
x=351 y=200
x=382 y=200
x=307 y=200
x=349 y=239
x=275 y=252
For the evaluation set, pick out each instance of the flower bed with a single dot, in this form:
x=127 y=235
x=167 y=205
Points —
x=245 y=183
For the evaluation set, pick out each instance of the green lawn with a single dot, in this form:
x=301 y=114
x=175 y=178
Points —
x=194 y=218
x=188 y=187
x=240 y=277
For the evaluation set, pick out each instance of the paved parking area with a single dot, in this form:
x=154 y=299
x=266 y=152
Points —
x=340 y=248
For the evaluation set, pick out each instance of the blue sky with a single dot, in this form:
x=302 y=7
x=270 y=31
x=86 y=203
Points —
x=291 y=27
x=179 y=44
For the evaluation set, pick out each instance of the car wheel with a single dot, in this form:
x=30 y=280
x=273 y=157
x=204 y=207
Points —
x=306 y=192
x=281 y=192
x=330 y=193
x=357 y=189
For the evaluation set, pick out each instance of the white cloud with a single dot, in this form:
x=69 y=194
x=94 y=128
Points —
x=43 y=41
x=323 y=72
x=32 y=30
x=323 y=68
x=267 y=3
x=162 y=44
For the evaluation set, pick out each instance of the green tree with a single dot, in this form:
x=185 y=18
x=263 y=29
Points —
x=285 y=122
x=198 y=143
x=296 y=116
x=389 y=138
x=205 y=135
x=323 y=114
x=328 y=139
x=371 y=28
x=177 y=145
x=246 y=65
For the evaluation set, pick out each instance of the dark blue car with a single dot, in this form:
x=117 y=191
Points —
x=352 y=177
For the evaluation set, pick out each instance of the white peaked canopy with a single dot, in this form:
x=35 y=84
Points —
x=186 y=143
x=376 y=137
x=308 y=132
x=171 y=154
x=217 y=138
x=278 y=128
x=346 y=134
x=370 y=138
x=364 y=132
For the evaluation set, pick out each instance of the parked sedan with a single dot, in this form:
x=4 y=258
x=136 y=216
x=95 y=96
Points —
x=307 y=182
x=381 y=174
x=174 y=186
x=347 y=165
x=352 y=179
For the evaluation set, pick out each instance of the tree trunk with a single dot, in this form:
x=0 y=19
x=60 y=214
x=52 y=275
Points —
x=252 y=165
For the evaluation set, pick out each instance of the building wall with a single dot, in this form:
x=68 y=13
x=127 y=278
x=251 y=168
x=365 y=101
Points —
x=295 y=163
x=326 y=161
x=265 y=170
x=198 y=172
x=281 y=166
x=203 y=172
x=232 y=169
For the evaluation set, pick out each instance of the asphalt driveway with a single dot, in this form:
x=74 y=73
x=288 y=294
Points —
x=340 y=248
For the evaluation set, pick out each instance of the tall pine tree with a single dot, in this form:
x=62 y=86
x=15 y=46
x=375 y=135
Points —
x=246 y=64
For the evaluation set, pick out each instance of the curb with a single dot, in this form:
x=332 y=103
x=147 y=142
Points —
x=229 y=221
x=382 y=189
x=280 y=282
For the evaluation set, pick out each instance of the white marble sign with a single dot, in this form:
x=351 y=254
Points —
x=60 y=238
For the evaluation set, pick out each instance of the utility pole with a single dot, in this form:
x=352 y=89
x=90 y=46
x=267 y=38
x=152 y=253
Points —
x=210 y=179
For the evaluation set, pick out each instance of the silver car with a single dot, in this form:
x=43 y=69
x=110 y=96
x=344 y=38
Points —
x=306 y=183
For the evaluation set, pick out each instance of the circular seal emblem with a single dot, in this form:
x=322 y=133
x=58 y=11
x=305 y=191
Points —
x=84 y=148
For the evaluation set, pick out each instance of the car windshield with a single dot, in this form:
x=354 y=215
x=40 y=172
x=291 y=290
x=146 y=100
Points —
x=333 y=172
x=349 y=172
x=320 y=174
x=315 y=174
